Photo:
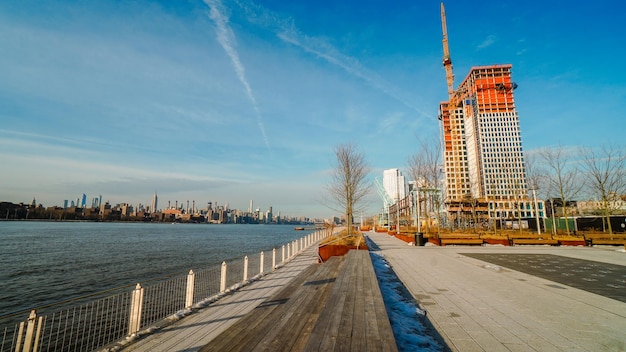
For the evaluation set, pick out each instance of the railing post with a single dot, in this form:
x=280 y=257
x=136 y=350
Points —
x=262 y=263
x=38 y=334
x=223 y=278
x=245 y=268
x=30 y=329
x=136 y=307
x=273 y=259
x=283 y=257
x=288 y=250
x=191 y=278
x=20 y=332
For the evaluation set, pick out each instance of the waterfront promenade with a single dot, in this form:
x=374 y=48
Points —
x=303 y=306
x=196 y=330
x=477 y=305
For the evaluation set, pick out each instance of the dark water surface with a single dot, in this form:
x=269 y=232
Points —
x=46 y=262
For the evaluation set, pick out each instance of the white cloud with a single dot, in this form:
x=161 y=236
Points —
x=489 y=41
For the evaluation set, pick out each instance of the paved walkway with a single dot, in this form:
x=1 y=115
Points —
x=196 y=330
x=479 y=306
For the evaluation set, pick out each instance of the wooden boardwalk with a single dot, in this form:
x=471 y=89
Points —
x=336 y=306
x=196 y=330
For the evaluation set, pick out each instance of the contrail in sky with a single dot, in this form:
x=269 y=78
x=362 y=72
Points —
x=287 y=32
x=226 y=38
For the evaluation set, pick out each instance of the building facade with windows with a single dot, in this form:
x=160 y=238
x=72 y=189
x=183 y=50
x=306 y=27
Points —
x=394 y=184
x=485 y=170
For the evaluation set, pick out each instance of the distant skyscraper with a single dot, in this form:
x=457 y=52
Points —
x=393 y=183
x=84 y=201
x=250 y=208
x=154 y=203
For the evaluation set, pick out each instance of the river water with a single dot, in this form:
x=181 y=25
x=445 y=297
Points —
x=46 y=262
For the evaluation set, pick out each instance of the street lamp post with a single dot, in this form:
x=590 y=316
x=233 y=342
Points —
x=553 y=217
x=534 y=189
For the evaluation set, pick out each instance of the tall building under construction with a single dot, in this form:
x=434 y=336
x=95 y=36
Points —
x=485 y=171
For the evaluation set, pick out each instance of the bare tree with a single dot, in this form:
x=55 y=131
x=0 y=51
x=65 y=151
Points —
x=348 y=186
x=535 y=177
x=562 y=176
x=424 y=168
x=605 y=171
x=535 y=173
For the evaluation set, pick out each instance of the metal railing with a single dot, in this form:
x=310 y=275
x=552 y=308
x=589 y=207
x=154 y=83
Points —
x=105 y=321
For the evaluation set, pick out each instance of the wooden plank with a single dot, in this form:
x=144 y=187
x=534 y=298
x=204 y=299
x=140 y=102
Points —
x=358 y=337
x=536 y=242
x=605 y=241
x=336 y=307
x=345 y=316
x=277 y=324
x=529 y=236
x=290 y=320
x=459 y=235
x=323 y=336
x=593 y=236
x=238 y=335
x=385 y=339
x=314 y=294
x=466 y=241
x=357 y=320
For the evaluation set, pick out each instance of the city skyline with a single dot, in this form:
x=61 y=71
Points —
x=240 y=100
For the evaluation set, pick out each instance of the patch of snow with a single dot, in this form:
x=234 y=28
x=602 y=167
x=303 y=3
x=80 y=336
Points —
x=406 y=317
x=492 y=267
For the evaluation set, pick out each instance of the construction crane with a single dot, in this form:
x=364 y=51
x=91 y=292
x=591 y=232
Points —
x=450 y=124
x=447 y=61
x=387 y=201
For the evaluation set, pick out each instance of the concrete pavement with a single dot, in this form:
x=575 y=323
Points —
x=480 y=306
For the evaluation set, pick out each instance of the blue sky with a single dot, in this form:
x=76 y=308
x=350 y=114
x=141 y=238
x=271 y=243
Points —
x=227 y=101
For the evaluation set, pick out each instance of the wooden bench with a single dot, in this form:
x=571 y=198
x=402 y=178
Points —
x=528 y=241
x=609 y=241
x=334 y=306
x=524 y=236
x=459 y=235
x=461 y=241
x=605 y=239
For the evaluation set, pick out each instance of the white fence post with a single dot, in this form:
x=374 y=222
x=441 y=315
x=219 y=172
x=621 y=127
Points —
x=136 y=307
x=283 y=258
x=288 y=250
x=223 y=278
x=191 y=278
x=30 y=329
x=38 y=334
x=245 y=268
x=262 y=263
x=20 y=332
x=273 y=259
